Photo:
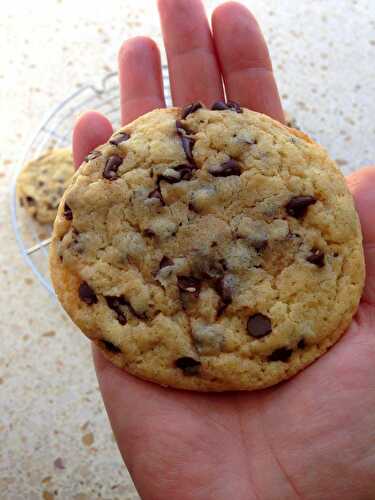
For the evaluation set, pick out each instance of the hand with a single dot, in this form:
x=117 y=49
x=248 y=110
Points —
x=312 y=437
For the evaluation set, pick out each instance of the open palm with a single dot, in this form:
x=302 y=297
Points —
x=310 y=438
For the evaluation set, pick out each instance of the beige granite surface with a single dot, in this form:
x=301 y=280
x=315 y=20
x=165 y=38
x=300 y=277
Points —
x=55 y=441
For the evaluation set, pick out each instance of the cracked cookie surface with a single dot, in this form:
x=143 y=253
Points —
x=209 y=249
x=42 y=183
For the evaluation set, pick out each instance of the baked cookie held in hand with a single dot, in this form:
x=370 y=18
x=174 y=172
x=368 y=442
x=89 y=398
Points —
x=209 y=249
x=42 y=183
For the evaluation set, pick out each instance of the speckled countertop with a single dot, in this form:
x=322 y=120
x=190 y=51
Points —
x=55 y=441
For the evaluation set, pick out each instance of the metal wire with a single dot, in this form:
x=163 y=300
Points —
x=55 y=131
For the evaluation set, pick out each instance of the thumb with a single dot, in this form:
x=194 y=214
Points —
x=362 y=187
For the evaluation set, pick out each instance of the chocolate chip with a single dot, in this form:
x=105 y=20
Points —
x=119 y=138
x=94 y=154
x=114 y=303
x=30 y=200
x=165 y=261
x=182 y=128
x=68 y=214
x=214 y=268
x=298 y=205
x=225 y=106
x=170 y=176
x=301 y=344
x=148 y=232
x=259 y=325
x=176 y=174
x=156 y=194
x=219 y=106
x=111 y=167
x=110 y=347
x=224 y=289
x=252 y=142
x=186 y=171
x=316 y=257
x=87 y=294
x=230 y=167
x=259 y=245
x=189 y=284
x=235 y=106
x=190 y=109
x=281 y=354
x=188 y=365
x=188 y=144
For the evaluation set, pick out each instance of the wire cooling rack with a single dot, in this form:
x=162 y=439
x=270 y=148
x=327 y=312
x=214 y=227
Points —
x=55 y=131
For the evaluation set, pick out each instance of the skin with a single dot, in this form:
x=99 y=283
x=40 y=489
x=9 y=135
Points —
x=312 y=437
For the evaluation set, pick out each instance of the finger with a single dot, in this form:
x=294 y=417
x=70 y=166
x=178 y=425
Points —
x=141 y=82
x=193 y=68
x=90 y=130
x=362 y=186
x=244 y=60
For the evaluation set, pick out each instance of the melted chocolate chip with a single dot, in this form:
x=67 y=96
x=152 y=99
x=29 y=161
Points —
x=68 y=214
x=259 y=325
x=114 y=303
x=186 y=171
x=190 y=109
x=316 y=257
x=224 y=289
x=301 y=344
x=259 y=245
x=119 y=138
x=156 y=194
x=188 y=144
x=171 y=178
x=165 y=261
x=234 y=106
x=111 y=167
x=230 y=167
x=110 y=347
x=30 y=200
x=219 y=106
x=181 y=128
x=188 y=365
x=298 y=205
x=214 y=268
x=148 y=232
x=94 y=154
x=225 y=106
x=189 y=284
x=180 y=173
x=281 y=354
x=87 y=294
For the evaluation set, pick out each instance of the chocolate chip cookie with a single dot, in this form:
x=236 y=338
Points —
x=209 y=249
x=42 y=183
